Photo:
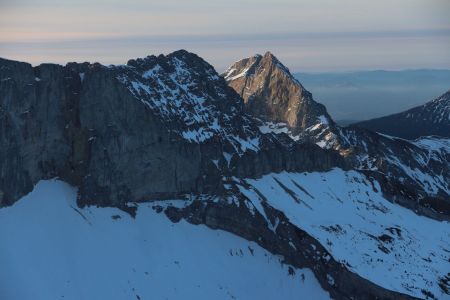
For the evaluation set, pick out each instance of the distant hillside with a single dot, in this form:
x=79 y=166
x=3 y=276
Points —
x=432 y=118
x=355 y=96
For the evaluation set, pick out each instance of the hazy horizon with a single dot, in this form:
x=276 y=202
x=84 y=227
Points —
x=364 y=95
x=294 y=72
x=307 y=36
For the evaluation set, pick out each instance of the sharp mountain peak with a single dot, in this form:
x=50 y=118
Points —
x=256 y=64
x=271 y=93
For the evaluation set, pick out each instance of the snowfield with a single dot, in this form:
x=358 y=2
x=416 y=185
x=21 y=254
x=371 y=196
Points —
x=346 y=212
x=50 y=249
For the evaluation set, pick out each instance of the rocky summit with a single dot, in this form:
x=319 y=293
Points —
x=165 y=138
x=273 y=94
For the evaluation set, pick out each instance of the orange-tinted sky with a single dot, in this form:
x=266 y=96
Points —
x=308 y=35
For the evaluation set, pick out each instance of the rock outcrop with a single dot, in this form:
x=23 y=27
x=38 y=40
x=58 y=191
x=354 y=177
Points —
x=271 y=93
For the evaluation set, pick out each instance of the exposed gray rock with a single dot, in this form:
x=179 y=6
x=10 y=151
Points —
x=35 y=105
x=157 y=127
x=271 y=93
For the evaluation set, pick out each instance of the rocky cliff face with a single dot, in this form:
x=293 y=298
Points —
x=271 y=93
x=414 y=174
x=36 y=105
x=154 y=128
x=432 y=118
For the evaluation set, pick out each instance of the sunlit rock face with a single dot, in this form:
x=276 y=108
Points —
x=272 y=93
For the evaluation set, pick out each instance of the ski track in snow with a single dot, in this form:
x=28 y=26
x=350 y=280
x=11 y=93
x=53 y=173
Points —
x=50 y=249
x=382 y=242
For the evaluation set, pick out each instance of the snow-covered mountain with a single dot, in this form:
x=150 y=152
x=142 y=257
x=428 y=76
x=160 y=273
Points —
x=145 y=151
x=431 y=118
x=408 y=166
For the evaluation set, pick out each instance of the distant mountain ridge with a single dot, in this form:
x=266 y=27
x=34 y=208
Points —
x=431 y=118
x=365 y=95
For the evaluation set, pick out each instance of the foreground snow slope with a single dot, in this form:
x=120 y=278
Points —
x=50 y=249
x=382 y=242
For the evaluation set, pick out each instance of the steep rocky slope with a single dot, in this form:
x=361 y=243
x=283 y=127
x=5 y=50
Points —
x=169 y=120
x=347 y=213
x=170 y=128
x=432 y=118
x=414 y=175
x=270 y=92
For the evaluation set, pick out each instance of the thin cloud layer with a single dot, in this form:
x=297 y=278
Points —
x=307 y=35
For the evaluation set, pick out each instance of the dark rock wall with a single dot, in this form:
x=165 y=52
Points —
x=131 y=151
x=34 y=143
x=77 y=122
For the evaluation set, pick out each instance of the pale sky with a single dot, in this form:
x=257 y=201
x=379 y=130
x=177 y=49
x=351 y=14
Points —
x=306 y=35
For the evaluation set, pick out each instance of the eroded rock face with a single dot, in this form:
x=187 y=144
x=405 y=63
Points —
x=35 y=105
x=157 y=127
x=271 y=93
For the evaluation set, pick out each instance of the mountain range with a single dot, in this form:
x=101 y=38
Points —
x=356 y=96
x=350 y=213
